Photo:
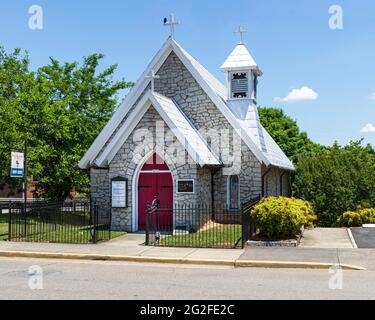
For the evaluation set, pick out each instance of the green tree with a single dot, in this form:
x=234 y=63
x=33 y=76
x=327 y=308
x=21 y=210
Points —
x=286 y=133
x=15 y=80
x=60 y=109
x=69 y=106
x=336 y=180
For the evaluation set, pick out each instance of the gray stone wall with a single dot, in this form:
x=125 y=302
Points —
x=100 y=186
x=272 y=182
x=177 y=83
x=126 y=162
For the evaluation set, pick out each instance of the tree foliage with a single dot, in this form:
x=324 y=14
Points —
x=60 y=109
x=286 y=133
x=336 y=180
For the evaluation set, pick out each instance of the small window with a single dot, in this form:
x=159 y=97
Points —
x=185 y=186
x=240 y=85
x=233 y=192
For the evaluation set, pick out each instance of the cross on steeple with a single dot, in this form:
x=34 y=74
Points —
x=241 y=30
x=171 y=24
x=153 y=76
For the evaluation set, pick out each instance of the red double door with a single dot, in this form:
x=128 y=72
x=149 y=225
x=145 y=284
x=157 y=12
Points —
x=155 y=178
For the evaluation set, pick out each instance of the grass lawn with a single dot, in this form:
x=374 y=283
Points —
x=222 y=236
x=78 y=230
x=3 y=227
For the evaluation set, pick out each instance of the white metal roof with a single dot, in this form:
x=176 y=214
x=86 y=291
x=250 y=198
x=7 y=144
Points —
x=275 y=155
x=174 y=118
x=184 y=131
x=240 y=59
x=264 y=148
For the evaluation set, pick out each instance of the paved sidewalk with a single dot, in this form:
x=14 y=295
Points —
x=129 y=245
x=326 y=238
x=131 y=248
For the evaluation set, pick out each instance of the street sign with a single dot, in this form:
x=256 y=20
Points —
x=17 y=165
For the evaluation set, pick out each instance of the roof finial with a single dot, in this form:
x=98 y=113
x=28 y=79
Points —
x=241 y=30
x=171 y=24
x=153 y=76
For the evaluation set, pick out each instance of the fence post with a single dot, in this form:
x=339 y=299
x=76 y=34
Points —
x=10 y=222
x=25 y=217
x=147 y=224
x=95 y=221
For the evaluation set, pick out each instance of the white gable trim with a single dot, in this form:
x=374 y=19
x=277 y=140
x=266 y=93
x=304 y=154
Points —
x=221 y=105
x=130 y=124
x=123 y=133
x=125 y=106
x=169 y=46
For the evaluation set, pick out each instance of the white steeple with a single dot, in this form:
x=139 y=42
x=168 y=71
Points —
x=242 y=72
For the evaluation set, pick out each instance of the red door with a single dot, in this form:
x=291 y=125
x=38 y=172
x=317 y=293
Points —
x=155 y=178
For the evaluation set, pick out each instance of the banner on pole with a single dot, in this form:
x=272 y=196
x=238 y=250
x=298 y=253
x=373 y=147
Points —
x=17 y=165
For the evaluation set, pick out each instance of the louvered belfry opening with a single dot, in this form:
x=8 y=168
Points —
x=240 y=85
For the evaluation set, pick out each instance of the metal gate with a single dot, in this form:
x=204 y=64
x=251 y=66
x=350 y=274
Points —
x=56 y=222
x=199 y=226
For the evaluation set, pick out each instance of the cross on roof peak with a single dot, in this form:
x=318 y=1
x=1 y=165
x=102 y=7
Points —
x=241 y=30
x=152 y=76
x=171 y=23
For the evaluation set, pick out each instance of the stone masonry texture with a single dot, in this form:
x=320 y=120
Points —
x=177 y=83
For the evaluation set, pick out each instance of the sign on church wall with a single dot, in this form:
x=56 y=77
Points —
x=119 y=192
x=185 y=186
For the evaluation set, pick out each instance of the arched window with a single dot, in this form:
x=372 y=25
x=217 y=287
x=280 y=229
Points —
x=233 y=200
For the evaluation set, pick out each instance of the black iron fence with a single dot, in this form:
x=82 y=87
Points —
x=68 y=222
x=199 y=226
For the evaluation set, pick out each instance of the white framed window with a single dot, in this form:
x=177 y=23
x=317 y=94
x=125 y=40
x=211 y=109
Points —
x=239 y=84
x=185 y=186
x=233 y=192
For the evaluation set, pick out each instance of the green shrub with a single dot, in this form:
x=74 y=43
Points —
x=337 y=180
x=350 y=219
x=282 y=217
x=356 y=219
x=367 y=215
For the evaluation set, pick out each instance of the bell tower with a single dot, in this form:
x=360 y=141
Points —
x=241 y=72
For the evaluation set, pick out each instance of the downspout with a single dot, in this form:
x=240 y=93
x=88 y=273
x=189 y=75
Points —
x=213 y=172
x=281 y=183
x=263 y=179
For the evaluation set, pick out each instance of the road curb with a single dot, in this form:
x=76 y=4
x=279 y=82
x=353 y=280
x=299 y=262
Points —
x=186 y=261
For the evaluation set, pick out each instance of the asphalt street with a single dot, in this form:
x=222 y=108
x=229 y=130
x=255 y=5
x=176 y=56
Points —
x=364 y=237
x=68 y=279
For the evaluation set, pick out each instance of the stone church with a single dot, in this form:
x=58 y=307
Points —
x=185 y=136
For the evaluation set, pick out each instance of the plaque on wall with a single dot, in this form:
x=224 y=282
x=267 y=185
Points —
x=119 y=192
x=185 y=186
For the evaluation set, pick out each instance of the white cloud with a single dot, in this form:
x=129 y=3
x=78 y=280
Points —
x=368 y=128
x=372 y=97
x=302 y=94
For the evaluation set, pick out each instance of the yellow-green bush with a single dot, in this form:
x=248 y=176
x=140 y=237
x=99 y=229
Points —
x=282 y=217
x=367 y=215
x=350 y=219
x=356 y=219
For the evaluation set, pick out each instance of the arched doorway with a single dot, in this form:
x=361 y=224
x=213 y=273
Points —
x=155 y=178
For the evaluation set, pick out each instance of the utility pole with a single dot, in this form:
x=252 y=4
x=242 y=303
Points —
x=25 y=174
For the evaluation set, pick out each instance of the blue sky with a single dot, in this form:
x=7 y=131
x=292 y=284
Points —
x=290 y=40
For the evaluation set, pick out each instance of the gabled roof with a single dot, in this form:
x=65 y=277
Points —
x=240 y=59
x=216 y=91
x=195 y=145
